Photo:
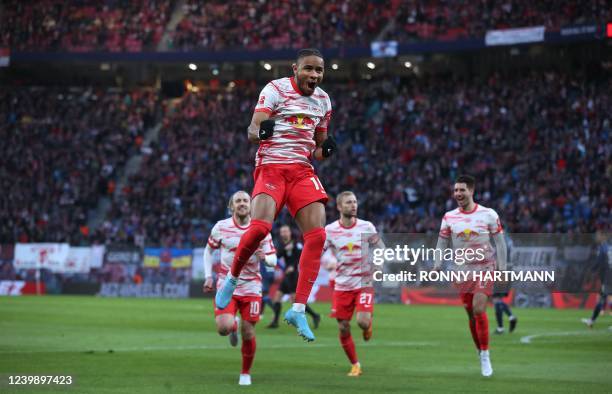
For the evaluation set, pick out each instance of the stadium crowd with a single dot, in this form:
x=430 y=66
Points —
x=183 y=185
x=538 y=143
x=132 y=26
x=61 y=150
x=280 y=24
x=84 y=25
x=448 y=20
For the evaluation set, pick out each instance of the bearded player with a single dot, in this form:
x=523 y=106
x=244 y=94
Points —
x=290 y=125
x=353 y=289
x=225 y=236
x=471 y=227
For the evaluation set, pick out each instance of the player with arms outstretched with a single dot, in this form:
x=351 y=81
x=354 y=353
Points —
x=353 y=290
x=225 y=236
x=471 y=227
x=290 y=125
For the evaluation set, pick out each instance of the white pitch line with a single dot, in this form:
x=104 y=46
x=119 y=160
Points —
x=208 y=347
x=527 y=339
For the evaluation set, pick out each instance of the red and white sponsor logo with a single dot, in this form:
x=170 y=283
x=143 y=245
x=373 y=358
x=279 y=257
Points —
x=352 y=271
x=300 y=121
x=297 y=119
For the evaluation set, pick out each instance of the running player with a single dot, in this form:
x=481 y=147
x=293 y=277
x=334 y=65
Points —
x=289 y=253
x=602 y=269
x=290 y=125
x=353 y=289
x=471 y=227
x=225 y=235
x=502 y=307
x=501 y=291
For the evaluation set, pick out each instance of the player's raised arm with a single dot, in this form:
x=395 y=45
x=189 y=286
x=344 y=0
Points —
x=326 y=146
x=261 y=127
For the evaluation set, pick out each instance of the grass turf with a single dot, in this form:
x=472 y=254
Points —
x=154 y=345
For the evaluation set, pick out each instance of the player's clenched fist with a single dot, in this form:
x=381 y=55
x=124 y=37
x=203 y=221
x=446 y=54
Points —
x=329 y=147
x=208 y=285
x=266 y=129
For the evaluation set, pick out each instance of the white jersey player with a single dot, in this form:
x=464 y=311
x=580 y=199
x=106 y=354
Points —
x=290 y=124
x=353 y=285
x=296 y=120
x=225 y=236
x=469 y=229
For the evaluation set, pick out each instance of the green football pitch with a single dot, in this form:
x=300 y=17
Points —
x=151 y=345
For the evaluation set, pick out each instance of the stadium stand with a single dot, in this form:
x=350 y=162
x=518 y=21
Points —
x=83 y=26
x=134 y=26
x=559 y=139
x=544 y=179
x=61 y=150
x=448 y=20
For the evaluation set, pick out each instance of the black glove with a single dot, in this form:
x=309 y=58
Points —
x=266 y=129
x=329 y=147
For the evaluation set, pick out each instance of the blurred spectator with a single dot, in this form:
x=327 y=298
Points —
x=538 y=143
x=60 y=150
x=132 y=26
x=182 y=188
x=448 y=20
x=279 y=24
x=84 y=25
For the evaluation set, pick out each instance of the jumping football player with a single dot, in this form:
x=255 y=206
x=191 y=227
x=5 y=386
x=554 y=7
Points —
x=290 y=125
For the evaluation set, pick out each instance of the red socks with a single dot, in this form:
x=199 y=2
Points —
x=310 y=262
x=479 y=323
x=248 y=354
x=482 y=329
x=349 y=347
x=258 y=229
x=474 y=332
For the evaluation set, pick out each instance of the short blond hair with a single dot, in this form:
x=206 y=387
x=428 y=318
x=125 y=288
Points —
x=230 y=203
x=341 y=196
